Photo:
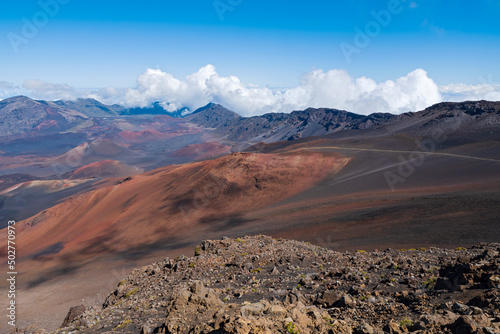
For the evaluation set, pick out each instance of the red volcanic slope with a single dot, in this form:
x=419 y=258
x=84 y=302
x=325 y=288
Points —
x=171 y=202
x=202 y=151
x=46 y=125
x=9 y=162
x=104 y=169
x=42 y=187
x=94 y=151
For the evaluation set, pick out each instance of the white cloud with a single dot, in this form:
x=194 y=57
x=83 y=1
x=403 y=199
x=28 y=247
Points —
x=108 y=95
x=8 y=89
x=335 y=89
x=332 y=89
x=463 y=92
x=40 y=89
x=363 y=95
x=156 y=85
x=6 y=85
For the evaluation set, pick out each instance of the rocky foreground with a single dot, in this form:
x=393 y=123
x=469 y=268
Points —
x=265 y=285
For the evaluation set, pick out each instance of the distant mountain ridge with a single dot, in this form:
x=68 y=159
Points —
x=155 y=109
x=448 y=117
x=91 y=107
x=20 y=115
x=298 y=124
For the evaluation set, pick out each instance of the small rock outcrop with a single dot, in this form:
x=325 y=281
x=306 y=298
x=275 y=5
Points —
x=73 y=313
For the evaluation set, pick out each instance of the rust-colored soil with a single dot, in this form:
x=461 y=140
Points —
x=105 y=169
x=168 y=202
x=331 y=192
x=202 y=151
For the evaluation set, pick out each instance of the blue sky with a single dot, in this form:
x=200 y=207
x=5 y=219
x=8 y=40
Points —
x=93 y=44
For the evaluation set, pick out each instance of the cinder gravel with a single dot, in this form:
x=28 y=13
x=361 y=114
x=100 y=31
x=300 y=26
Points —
x=265 y=285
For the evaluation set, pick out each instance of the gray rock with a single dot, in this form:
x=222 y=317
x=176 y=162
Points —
x=328 y=298
x=460 y=308
x=364 y=329
x=254 y=309
x=345 y=301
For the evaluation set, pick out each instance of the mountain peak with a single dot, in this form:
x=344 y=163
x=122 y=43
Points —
x=215 y=107
x=18 y=98
x=89 y=100
x=212 y=116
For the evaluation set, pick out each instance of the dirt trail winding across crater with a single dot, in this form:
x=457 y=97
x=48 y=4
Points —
x=397 y=151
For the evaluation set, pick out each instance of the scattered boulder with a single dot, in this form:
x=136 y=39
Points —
x=265 y=285
x=392 y=328
x=328 y=298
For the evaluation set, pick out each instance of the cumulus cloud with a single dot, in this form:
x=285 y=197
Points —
x=335 y=89
x=156 y=85
x=462 y=92
x=332 y=89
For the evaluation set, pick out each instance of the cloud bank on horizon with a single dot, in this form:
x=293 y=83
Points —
x=332 y=89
